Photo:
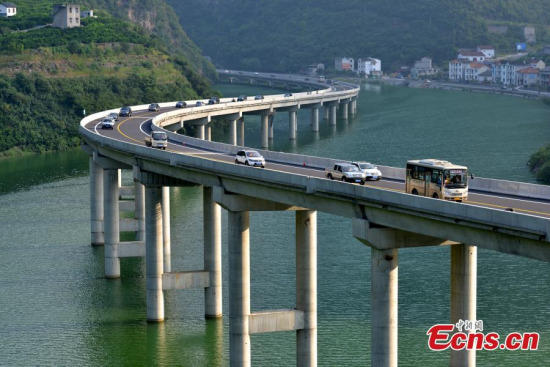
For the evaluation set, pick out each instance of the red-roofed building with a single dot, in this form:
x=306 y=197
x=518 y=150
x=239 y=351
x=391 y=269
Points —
x=527 y=76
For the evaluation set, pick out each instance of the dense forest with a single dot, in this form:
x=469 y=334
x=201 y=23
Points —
x=50 y=76
x=288 y=35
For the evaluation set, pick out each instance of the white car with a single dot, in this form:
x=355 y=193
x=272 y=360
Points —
x=250 y=158
x=108 y=123
x=370 y=170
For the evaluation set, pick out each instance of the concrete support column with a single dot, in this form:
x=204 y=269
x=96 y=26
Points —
x=139 y=212
x=239 y=289
x=96 y=203
x=233 y=132
x=292 y=124
x=384 y=307
x=208 y=132
x=240 y=132
x=166 y=236
x=345 y=108
x=326 y=112
x=153 y=250
x=350 y=108
x=315 y=119
x=306 y=286
x=332 y=115
x=112 y=224
x=212 y=254
x=463 y=296
x=200 y=132
x=270 y=123
x=264 y=130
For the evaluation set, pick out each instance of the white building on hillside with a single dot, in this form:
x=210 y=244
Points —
x=7 y=10
x=488 y=51
x=471 y=55
x=369 y=66
x=344 y=63
x=66 y=15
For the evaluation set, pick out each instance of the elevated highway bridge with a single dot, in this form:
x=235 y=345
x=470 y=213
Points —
x=508 y=217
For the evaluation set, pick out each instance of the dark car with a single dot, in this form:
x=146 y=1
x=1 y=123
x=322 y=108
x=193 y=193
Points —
x=259 y=97
x=199 y=103
x=181 y=104
x=241 y=98
x=125 y=111
x=288 y=94
x=214 y=100
x=154 y=107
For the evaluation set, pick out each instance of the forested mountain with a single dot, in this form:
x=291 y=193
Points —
x=287 y=35
x=50 y=76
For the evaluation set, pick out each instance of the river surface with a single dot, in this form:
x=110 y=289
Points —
x=57 y=309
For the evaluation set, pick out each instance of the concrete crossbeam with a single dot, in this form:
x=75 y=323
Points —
x=238 y=203
x=277 y=320
x=131 y=249
x=127 y=205
x=128 y=225
x=185 y=280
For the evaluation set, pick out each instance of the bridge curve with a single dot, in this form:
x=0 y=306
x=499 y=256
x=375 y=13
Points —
x=384 y=217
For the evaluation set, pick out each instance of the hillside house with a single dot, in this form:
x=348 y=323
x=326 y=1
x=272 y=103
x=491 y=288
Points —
x=66 y=15
x=8 y=9
x=423 y=67
x=472 y=70
x=527 y=76
x=369 y=67
x=471 y=55
x=544 y=77
x=344 y=63
x=488 y=51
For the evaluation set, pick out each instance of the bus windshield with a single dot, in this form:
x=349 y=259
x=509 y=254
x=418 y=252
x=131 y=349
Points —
x=159 y=136
x=456 y=178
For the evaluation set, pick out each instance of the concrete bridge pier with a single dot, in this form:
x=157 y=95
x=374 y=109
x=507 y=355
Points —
x=112 y=222
x=239 y=288
x=292 y=123
x=264 y=128
x=154 y=253
x=350 y=108
x=240 y=132
x=463 y=297
x=200 y=132
x=157 y=223
x=332 y=120
x=315 y=119
x=233 y=132
x=139 y=212
x=270 y=123
x=233 y=127
x=306 y=286
x=326 y=112
x=96 y=203
x=212 y=254
x=384 y=243
x=302 y=318
x=208 y=132
x=166 y=235
x=344 y=110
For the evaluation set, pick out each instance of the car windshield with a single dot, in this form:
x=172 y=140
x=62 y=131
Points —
x=159 y=136
x=456 y=178
x=349 y=169
x=253 y=154
x=367 y=166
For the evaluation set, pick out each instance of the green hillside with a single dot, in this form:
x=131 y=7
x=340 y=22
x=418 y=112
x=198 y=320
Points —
x=287 y=35
x=49 y=76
